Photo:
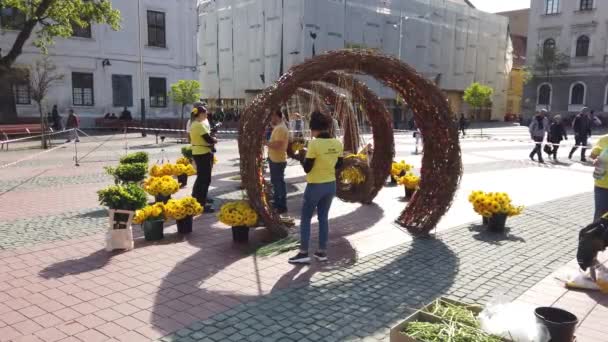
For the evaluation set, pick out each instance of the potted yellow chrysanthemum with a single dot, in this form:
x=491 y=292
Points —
x=410 y=183
x=152 y=219
x=495 y=208
x=161 y=187
x=182 y=211
x=398 y=170
x=240 y=216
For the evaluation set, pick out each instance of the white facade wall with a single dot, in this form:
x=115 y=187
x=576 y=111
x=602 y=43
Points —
x=462 y=44
x=176 y=61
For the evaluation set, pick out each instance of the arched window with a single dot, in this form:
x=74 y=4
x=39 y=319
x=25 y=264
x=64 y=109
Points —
x=577 y=94
x=548 y=46
x=544 y=94
x=582 y=46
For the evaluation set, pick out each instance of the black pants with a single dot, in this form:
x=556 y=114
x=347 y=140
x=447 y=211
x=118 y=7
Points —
x=555 y=148
x=463 y=130
x=204 y=164
x=580 y=140
x=538 y=147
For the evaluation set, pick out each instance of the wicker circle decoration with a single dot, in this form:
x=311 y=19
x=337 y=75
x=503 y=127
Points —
x=441 y=169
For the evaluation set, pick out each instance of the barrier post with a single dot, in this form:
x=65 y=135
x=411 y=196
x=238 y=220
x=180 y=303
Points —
x=76 y=154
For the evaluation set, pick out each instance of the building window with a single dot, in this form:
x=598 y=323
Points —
x=122 y=91
x=156 y=29
x=21 y=90
x=548 y=47
x=582 y=46
x=82 y=89
x=82 y=32
x=11 y=19
x=551 y=6
x=586 y=5
x=158 y=92
x=544 y=94
x=577 y=94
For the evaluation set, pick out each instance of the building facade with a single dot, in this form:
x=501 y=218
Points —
x=518 y=29
x=576 y=30
x=105 y=70
x=244 y=46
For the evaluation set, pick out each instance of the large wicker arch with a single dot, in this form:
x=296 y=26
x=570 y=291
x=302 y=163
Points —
x=441 y=164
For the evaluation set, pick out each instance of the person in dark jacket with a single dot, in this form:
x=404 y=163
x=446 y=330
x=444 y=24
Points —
x=582 y=132
x=557 y=133
x=462 y=124
x=538 y=128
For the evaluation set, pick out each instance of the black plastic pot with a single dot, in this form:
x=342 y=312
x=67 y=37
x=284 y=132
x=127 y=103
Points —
x=153 y=230
x=161 y=198
x=484 y=220
x=497 y=223
x=560 y=323
x=240 y=234
x=183 y=180
x=184 y=226
x=409 y=193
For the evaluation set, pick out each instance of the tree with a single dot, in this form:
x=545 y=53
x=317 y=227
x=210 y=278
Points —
x=47 y=19
x=550 y=62
x=478 y=96
x=42 y=76
x=185 y=92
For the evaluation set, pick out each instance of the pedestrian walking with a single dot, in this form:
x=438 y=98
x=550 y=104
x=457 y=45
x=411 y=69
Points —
x=57 y=126
x=599 y=155
x=538 y=129
x=323 y=157
x=582 y=131
x=277 y=160
x=418 y=138
x=557 y=133
x=202 y=153
x=72 y=124
x=462 y=124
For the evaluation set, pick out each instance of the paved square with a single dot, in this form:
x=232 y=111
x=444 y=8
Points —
x=58 y=284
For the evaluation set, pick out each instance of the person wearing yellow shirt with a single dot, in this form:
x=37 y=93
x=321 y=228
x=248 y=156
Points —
x=277 y=160
x=323 y=157
x=202 y=153
x=599 y=155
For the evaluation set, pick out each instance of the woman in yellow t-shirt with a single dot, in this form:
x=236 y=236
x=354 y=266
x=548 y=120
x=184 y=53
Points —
x=323 y=157
x=599 y=155
x=202 y=153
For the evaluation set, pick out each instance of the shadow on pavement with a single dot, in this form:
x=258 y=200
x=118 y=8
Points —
x=89 y=263
x=483 y=234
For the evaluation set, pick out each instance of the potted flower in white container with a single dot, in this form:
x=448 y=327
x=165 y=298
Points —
x=122 y=201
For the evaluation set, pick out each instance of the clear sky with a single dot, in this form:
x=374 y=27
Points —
x=494 y=6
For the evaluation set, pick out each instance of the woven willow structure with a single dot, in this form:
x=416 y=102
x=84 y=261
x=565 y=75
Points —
x=441 y=164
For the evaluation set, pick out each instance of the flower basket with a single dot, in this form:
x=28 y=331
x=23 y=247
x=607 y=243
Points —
x=497 y=223
x=153 y=230
x=409 y=193
x=182 y=180
x=184 y=226
x=240 y=234
x=162 y=199
x=355 y=180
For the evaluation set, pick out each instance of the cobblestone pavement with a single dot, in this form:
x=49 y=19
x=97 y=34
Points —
x=363 y=301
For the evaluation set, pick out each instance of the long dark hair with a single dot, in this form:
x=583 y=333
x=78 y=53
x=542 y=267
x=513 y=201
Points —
x=320 y=122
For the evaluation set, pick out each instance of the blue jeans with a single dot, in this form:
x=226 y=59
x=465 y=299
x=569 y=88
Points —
x=316 y=196
x=279 y=189
x=601 y=202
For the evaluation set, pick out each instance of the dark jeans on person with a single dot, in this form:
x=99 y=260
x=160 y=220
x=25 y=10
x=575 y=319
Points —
x=279 y=189
x=316 y=196
x=580 y=140
x=555 y=149
x=204 y=164
x=601 y=202
x=538 y=147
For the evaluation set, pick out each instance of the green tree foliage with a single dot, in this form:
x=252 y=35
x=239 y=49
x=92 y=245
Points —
x=184 y=92
x=478 y=95
x=550 y=62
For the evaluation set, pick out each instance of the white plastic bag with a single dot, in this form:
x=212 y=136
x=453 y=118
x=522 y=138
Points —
x=581 y=281
x=513 y=321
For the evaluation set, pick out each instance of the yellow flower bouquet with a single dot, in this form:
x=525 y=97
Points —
x=152 y=212
x=495 y=207
x=177 y=169
x=178 y=209
x=399 y=169
x=493 y=203
x=183 y=161
x=353 y=174
x=164 y=186
x=409 y=181
x=238 y=214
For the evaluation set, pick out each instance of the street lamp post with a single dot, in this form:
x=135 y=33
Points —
x=141 y=69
